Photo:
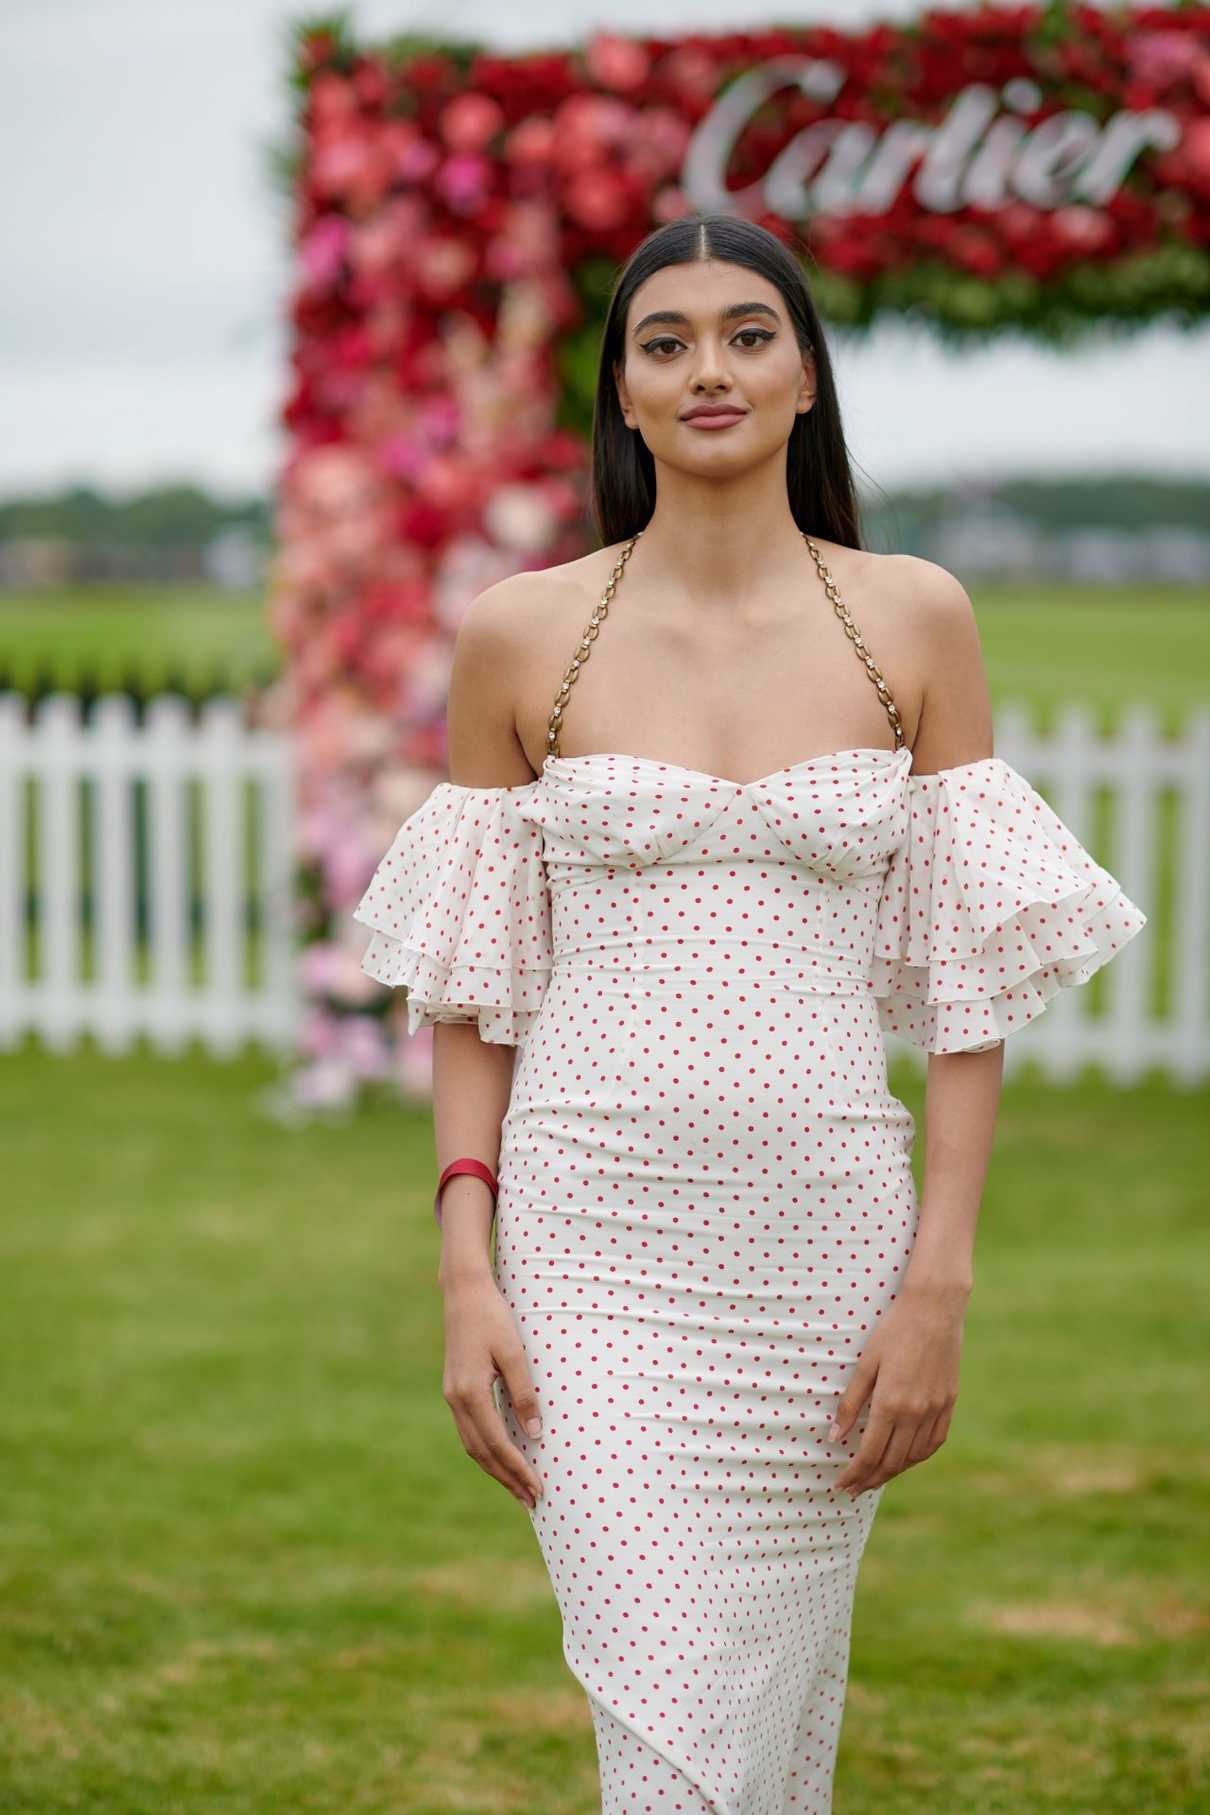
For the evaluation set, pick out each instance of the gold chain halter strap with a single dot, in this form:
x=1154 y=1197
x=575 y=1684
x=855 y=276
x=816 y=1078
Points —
x=851 y=631
x=584 y=647
x=601 y=611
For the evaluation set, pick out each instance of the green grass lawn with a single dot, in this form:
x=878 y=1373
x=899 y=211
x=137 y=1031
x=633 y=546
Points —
x=108 y=630
x=247 y=1565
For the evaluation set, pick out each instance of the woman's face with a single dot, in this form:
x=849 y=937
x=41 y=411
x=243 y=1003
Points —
x=718 y=335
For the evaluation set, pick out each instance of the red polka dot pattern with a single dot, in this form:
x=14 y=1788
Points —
x=460 y=913
x=706 y=1201
x=990 y=907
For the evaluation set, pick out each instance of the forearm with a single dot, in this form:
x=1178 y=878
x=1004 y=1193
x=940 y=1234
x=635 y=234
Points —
x=961 y=1101
x=472 y=1082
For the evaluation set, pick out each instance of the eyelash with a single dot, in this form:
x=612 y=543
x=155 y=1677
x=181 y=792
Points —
x=662 y=340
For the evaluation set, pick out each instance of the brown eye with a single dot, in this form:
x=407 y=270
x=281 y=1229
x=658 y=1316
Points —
x=664 y=340
x=760 y=333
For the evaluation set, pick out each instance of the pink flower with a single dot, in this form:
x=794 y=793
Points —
x=331 y=98
x=660 y=141
x=416 y=160
x=528 y=241
x=351 y=166
x=469 y=121
x=589 y=125
x=464 y=182
x=598 y=199
x=532 y=142
x=442 y=264
x=439 y=419
x=323 y=248
x=616 y=63
x=1159 y=59
x=1083 y=229
x=691 y=70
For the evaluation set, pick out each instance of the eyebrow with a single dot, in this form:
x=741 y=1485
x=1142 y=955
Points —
x=674 y=317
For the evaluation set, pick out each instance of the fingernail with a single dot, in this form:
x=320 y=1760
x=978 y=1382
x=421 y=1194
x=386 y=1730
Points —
x=534 y=1427
x=834 y=1431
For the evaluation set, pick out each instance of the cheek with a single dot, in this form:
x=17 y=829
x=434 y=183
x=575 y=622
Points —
x=775 y=382
x=654 y=387
x=775 y=414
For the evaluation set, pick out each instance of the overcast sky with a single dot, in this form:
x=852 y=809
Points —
x=143 y=270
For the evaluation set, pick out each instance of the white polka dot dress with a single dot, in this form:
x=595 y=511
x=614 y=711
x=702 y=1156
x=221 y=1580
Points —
x=706 y=1200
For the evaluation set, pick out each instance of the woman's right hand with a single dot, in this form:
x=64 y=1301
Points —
x=481 y=1341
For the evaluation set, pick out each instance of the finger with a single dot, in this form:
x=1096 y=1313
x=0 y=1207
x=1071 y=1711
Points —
x=874 y=1441
x=939 y=1429
x=506 y=1458
x=852 y=1400
x=922 y=1445
x=526 y=1411
x=471 y=1422
x=514 y=1367
x=894 y=1458
x=483 y=1458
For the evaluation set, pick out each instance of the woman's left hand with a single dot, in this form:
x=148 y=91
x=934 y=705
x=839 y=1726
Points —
x=910 y=1365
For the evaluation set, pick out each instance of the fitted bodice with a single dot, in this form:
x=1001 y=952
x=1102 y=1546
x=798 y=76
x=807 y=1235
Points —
x=655 y=867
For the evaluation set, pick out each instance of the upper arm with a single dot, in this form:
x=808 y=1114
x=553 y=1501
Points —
x=956 y=714
x=484 y=749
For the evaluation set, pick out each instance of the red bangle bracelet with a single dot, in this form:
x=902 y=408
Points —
x=477 y=1169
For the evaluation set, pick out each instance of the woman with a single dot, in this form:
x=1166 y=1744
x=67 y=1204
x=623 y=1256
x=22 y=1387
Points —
x=690 y=879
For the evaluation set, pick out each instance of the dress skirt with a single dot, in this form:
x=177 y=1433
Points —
x=701 y=1220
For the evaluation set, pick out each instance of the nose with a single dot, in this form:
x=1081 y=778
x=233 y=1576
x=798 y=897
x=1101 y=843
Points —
x=710 y=368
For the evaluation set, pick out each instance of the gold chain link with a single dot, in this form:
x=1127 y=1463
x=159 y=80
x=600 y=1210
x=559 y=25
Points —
x=851 y=631
x=601 y=612
x=591 y=632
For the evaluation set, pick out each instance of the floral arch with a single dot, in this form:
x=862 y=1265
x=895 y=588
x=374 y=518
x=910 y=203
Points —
x=458 y=217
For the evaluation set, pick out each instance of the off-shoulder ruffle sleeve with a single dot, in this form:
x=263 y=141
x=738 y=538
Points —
x=460 y=913
x=989 y=908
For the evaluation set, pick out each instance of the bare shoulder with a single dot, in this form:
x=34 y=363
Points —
x=956 y=714
x=518 y=621
x=930 y=591
x=513 y=643
x=505 y=607
x=924 y=611
x=920 y=593
x=908 y=592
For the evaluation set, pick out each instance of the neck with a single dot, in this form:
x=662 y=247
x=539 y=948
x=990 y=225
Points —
x=729 y=549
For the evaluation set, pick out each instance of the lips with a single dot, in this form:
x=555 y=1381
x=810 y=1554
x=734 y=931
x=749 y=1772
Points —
x=714 y=419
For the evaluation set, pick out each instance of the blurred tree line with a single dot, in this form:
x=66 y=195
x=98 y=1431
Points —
x=163 y=516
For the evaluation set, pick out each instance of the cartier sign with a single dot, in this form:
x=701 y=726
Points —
x=984 y=153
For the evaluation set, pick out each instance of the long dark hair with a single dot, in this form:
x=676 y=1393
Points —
x=822 y=496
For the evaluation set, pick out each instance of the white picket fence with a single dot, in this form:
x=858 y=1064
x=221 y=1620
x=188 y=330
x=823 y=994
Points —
x=217 y=954
x=1138 y=767
x=201 y=982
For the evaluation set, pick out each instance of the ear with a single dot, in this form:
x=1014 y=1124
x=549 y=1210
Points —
x=628 y=415
x=806 y=389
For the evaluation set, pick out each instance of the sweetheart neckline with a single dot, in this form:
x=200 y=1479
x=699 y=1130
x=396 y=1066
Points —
x=725 y=781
